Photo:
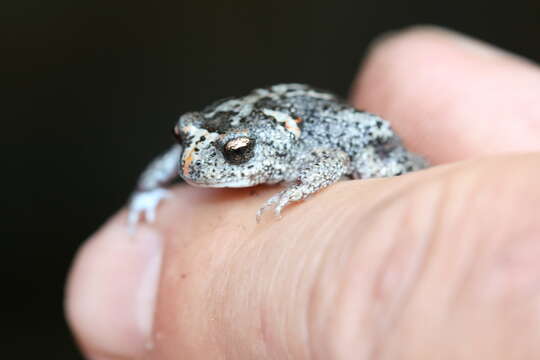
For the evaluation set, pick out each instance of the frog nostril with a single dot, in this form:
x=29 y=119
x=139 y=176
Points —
x=177 y=134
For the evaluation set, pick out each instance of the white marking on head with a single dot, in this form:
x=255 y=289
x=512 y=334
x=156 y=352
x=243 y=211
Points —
x=299 y=89
x=244 y=106
x=290 y=123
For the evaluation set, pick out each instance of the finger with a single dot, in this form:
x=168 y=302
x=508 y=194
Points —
x=386 y=266
x=114 y=282
x=229 y=287
x=451 y=97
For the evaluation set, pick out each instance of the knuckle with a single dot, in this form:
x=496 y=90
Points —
x=379 y=272
x=505 y=207
x=468 y=236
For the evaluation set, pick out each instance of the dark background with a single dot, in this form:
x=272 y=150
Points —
x=93 y=88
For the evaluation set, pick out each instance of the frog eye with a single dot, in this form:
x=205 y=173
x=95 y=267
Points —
x=239 y=150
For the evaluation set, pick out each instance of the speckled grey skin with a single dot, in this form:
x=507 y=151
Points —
x=289 y=133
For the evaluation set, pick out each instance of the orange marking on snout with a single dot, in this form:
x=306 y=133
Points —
x=298 y=120
x=189 y=159
x=293 y=128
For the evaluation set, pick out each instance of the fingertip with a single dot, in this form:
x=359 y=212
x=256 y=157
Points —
x=111 y=291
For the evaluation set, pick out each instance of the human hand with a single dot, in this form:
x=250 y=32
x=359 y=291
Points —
x=441 y=263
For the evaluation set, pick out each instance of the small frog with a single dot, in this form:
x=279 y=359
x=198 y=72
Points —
x=290 y=133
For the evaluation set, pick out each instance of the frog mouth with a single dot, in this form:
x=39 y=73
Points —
x=240 y=183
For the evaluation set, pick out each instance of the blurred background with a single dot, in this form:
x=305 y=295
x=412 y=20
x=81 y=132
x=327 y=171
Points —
x=94 y=87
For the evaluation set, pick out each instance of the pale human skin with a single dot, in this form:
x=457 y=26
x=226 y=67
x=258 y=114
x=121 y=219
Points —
x=443 y=263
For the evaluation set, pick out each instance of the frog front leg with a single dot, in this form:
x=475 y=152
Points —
x=151 y=185
x=322 y=167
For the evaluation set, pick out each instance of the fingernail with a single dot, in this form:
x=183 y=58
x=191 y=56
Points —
x=466 y=42
x=112 y=292
x=439 y=33
x=472 y=44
